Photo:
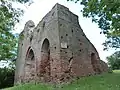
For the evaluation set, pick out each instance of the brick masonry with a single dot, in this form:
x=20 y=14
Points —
x=56 y=50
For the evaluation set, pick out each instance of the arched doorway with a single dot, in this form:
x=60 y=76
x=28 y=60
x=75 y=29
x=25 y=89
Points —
x=30 y=65
x=94 y=63
x=45 y=60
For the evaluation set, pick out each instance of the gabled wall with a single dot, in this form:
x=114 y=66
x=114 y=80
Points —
x=56 y=50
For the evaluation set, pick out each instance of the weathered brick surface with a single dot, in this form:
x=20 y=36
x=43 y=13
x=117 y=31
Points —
x=56 y=50
x=104 y=66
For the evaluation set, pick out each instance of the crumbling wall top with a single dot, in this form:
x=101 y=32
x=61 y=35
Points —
x=30 y=23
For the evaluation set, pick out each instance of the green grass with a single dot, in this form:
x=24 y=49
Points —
x=31 y=86
x=106 y=81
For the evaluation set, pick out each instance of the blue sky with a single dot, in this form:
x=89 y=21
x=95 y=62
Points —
x=39 y=8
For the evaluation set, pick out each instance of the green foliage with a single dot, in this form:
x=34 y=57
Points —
x=106 y=13
x=110 y=70
x=9 y=16
x=106 y=81
x=6 y=77
x=114 y=60
x=21 y=36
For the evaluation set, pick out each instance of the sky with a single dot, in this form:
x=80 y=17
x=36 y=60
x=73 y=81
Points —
x=37 y=10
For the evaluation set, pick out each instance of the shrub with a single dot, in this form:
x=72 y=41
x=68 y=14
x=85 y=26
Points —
x=6 y=77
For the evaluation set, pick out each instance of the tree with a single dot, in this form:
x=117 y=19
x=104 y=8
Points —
x=8 y=41
x=114 y=60
x=6 y=77
x=106 y=13
x=8 y=17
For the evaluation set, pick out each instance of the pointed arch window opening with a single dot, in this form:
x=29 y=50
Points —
x=45 y=66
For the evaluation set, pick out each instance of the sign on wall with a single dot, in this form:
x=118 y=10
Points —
x=64 y=45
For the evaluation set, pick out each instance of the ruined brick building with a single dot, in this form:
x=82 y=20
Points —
x=56 y=50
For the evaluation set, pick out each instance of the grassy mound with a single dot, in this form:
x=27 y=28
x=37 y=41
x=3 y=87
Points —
x=107 y=81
